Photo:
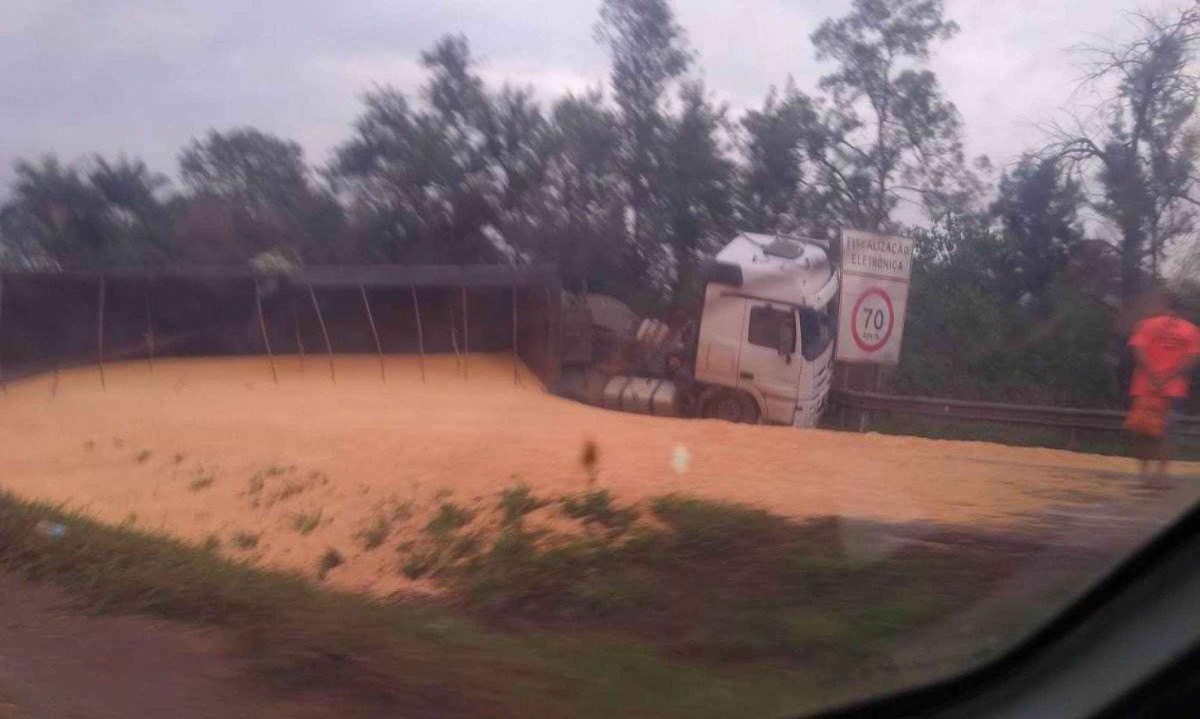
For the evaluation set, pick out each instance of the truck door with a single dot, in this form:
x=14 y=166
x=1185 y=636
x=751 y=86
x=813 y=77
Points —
x=770 y=358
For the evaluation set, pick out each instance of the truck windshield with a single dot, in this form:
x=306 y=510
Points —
x=816 y=333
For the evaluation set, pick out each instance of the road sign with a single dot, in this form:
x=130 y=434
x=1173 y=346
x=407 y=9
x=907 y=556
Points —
x=874 y=297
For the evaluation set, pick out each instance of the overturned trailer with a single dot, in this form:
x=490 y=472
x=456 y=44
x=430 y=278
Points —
x=52 y=320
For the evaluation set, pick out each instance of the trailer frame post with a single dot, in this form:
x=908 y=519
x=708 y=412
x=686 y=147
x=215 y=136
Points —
x=100 y=332
x=374 y=332
x=3 y=384
x=516 y=354
x=466 y=336
x=296 y=325
x=420 y=331
x=454 y=333
x=324 y=331
x=150 y=343
x=262 y=326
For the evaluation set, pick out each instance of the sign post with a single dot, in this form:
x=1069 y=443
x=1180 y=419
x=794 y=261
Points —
x=874 y=296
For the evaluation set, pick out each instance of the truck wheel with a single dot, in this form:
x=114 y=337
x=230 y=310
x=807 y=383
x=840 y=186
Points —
x=731 y=406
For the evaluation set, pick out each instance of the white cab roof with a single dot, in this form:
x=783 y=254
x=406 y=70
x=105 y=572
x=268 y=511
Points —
x=784 y=269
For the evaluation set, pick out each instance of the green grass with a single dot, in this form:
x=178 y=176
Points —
x=420 y=562
x=290 y=489
x=330 y=560
x=448 y=519
x=596 y=508
x=202 y=479
x=718 y=611
x=712 y=582
x=443 y=546
x=391 y=513
x=397 y=511
x=376 y=533
x=402 y=659
x=245 y=540
x=305 y=523
x=516 y=502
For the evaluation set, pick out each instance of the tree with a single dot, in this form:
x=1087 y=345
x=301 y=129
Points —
x=773 y=146
x=698 y=182
x=251 y=192
x=965 y=247
x=968 y=335
x=517 y=144
x=581 y=217
x=1189 y=265
x=132 y=198
x=1038 y=209
x=110 y=215
x=19 y=249
x=648 y=52
x=53 y=210
x=449 y=181
x=887 y=132
x=246 y=166
x=1145 y=157
x=390 y=166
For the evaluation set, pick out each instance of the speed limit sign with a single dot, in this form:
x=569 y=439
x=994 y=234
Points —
x=875 y=271
x=873 y=320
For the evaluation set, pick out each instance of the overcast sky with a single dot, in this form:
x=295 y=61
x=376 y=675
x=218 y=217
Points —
x=144 y=76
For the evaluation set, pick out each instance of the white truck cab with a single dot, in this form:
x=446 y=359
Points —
x=766 y=333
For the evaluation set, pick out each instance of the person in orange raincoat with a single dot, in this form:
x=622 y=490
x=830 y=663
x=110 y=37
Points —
x=1167 y=348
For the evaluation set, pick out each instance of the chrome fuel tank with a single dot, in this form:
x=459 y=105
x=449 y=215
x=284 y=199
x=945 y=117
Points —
x=644 y=395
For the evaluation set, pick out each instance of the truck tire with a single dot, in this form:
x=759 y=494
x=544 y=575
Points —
x=729 y=405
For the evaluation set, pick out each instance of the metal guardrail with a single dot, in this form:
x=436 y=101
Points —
x=1092 y=420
